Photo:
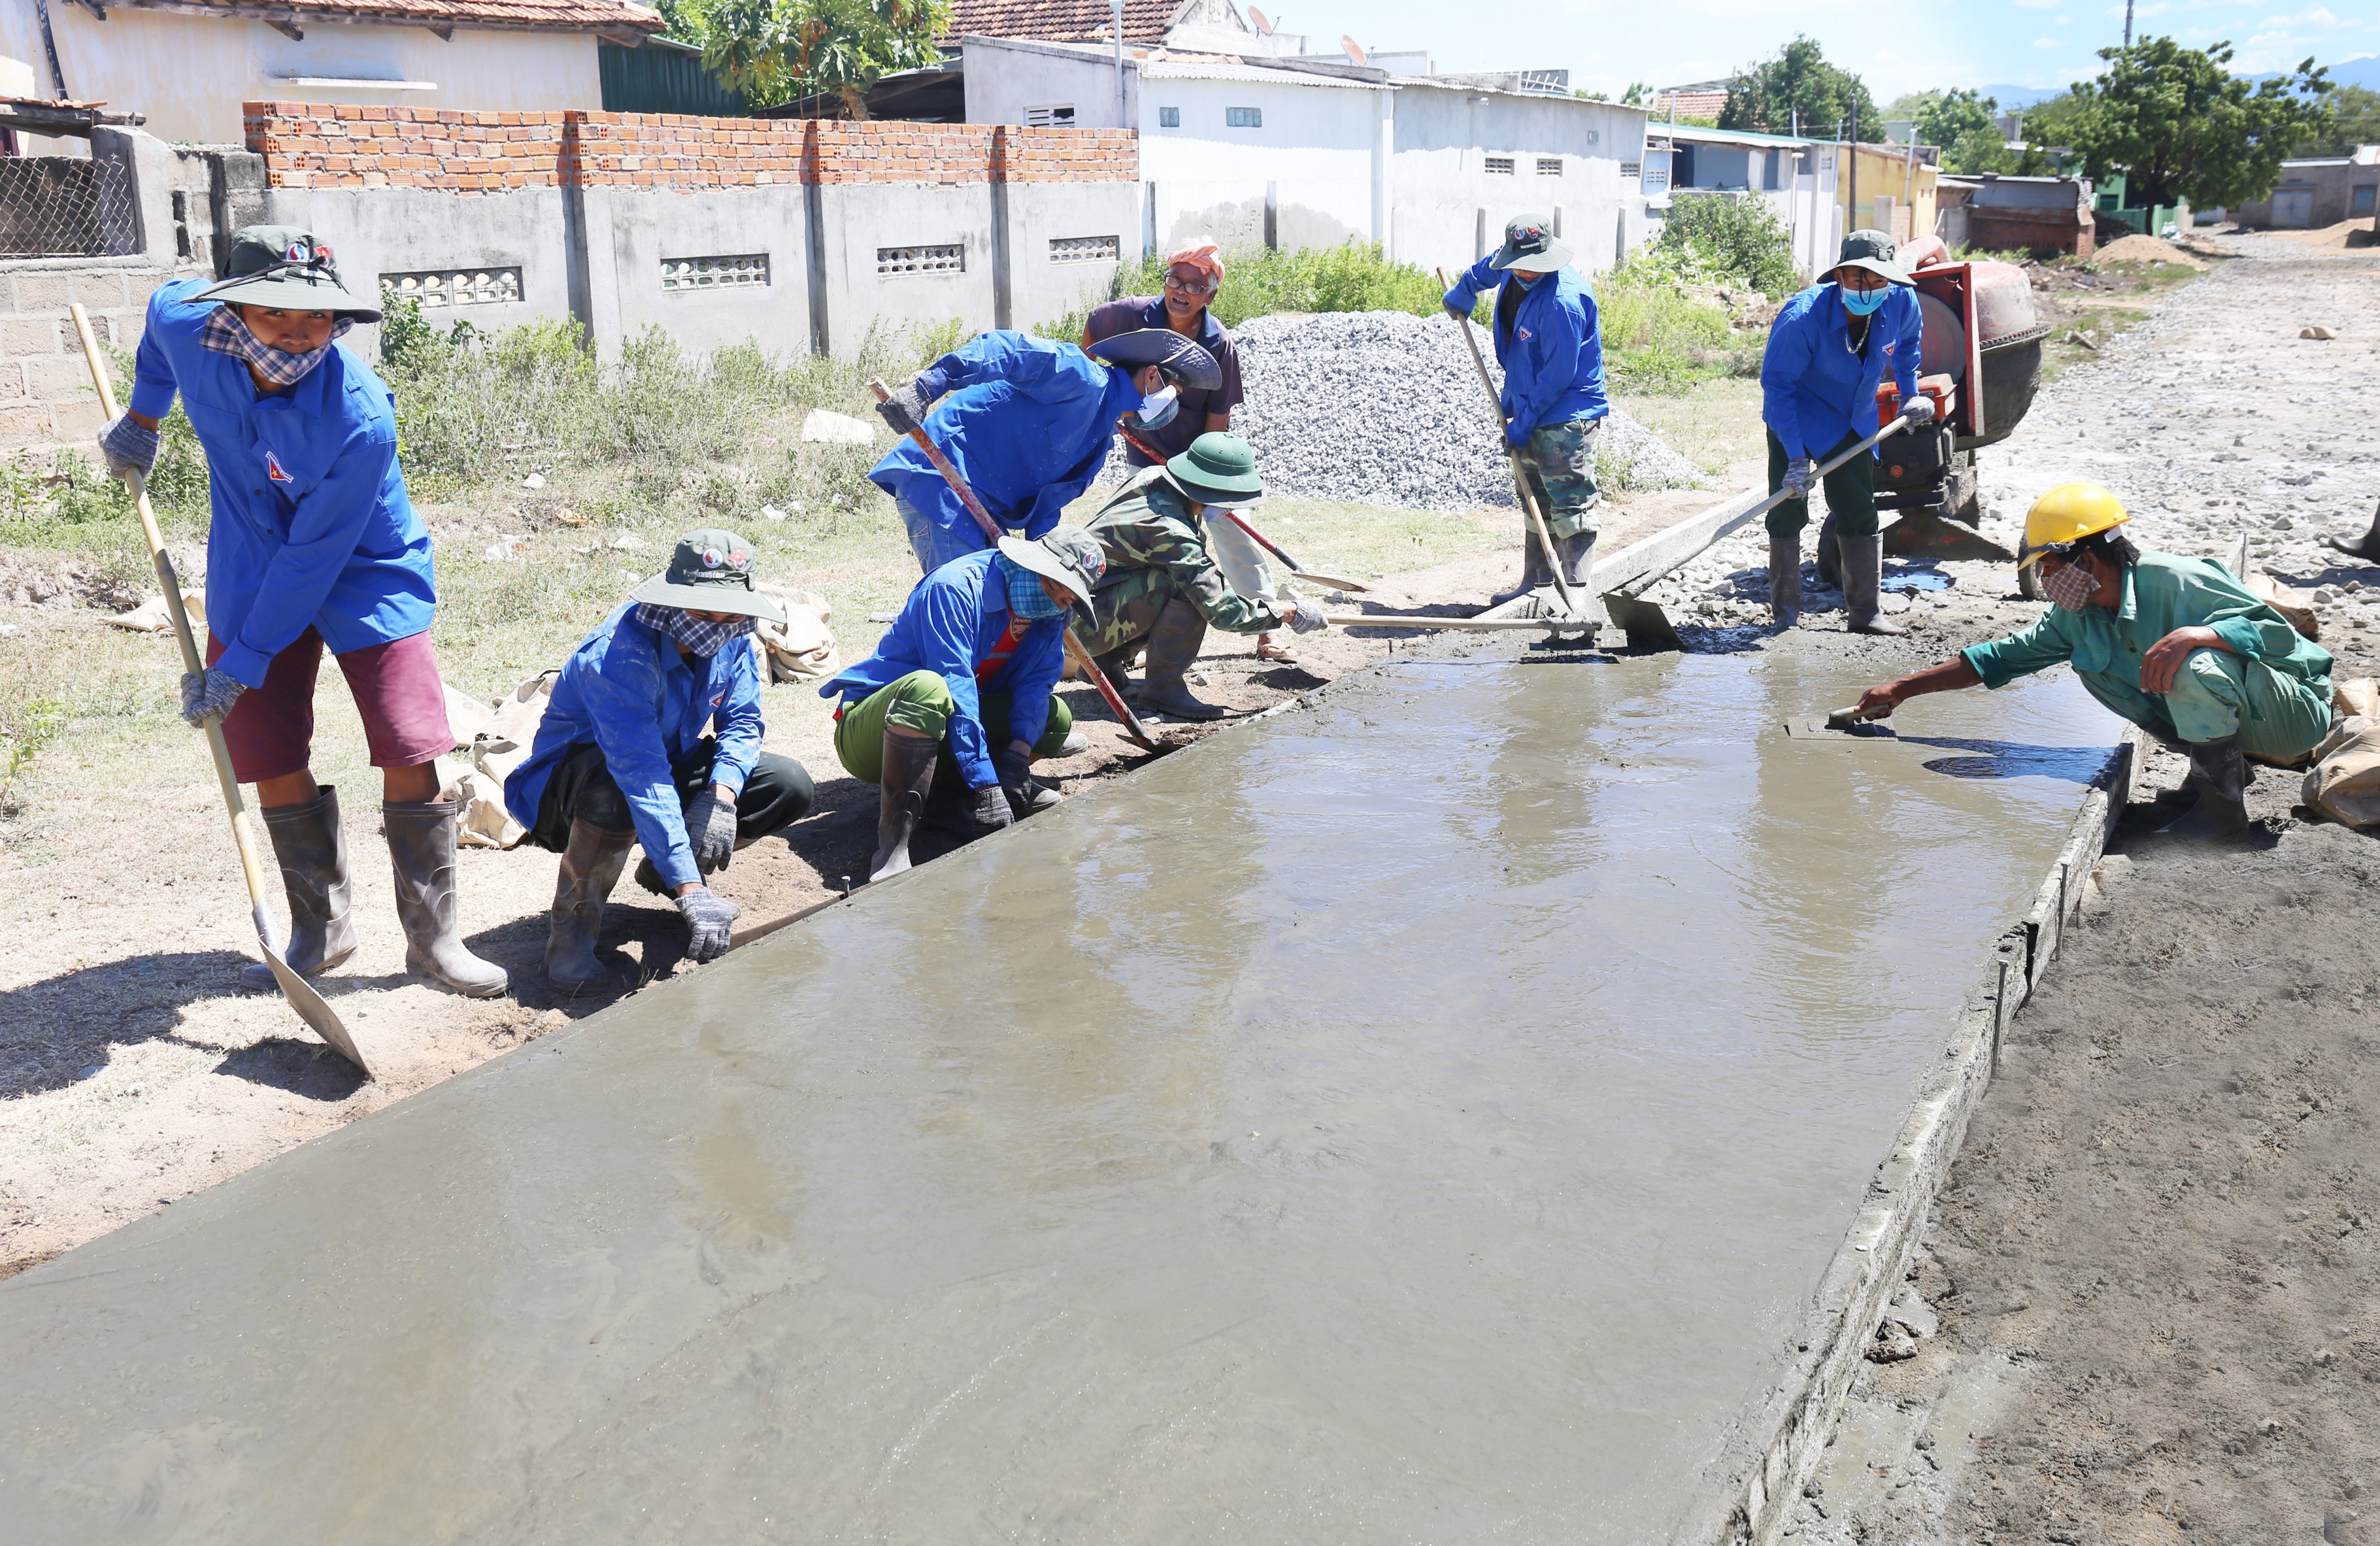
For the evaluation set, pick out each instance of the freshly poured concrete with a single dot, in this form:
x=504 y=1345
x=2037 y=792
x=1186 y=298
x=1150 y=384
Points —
x=1418 y=1118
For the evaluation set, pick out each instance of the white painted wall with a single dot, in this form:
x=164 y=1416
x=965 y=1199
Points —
x=1317 y=155
x=1450 y=208
x=188 y=75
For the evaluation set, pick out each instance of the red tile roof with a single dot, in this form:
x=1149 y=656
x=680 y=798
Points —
x=542 y=16
x=1144 y=21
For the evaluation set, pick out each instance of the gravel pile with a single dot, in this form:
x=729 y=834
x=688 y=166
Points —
x=1384 y=407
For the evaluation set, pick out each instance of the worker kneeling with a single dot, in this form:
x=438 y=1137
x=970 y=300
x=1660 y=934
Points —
x=2178 y=646
x=961 y=681
x=1164 y=584
x=622 y=756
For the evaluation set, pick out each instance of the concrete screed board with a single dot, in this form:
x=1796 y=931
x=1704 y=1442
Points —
x=1418 y=1117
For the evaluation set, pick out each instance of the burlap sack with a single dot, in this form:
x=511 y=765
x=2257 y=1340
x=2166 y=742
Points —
x=500 y=743
x=800 y=648
x=2344 y=782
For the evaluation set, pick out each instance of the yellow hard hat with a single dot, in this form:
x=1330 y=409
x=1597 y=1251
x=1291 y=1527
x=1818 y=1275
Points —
x=2068 y=514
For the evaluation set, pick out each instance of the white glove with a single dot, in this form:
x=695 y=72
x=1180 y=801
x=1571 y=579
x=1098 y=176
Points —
x=1920 y=410
x=1304 y=617
x=1801 y=477
x=710 y=830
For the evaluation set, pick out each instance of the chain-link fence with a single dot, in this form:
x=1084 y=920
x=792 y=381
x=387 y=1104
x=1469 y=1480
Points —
x=66 y=207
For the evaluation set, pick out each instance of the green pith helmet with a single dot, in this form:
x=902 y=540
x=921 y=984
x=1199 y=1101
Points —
x=1219 y=469
x=284 y=266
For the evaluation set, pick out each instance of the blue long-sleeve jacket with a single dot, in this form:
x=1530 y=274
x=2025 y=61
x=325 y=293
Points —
x=1550 y=346
x=1815 y=388
x=1026 y=420
x=629 y=690
x=311 y=525
x=950 y=625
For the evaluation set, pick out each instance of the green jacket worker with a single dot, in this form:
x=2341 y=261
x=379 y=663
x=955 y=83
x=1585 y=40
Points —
x=2178 y=646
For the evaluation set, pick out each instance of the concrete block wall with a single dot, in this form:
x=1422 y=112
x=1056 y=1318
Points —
x=45 y=392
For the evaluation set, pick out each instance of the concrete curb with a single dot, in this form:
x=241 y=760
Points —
x=1763 y=1465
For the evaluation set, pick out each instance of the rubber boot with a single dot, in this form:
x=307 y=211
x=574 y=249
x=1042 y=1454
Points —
x=312 y=849
x=1784 y=581
x=902 y=789
x=590 y=868
x=1831 y=554
x=421 y=850
x=2367 y=547
x=1172 y=649
x=1577 y=554
x=2219 y=773
x=1862 y=582
x=1075 y=745
x=1536 y=574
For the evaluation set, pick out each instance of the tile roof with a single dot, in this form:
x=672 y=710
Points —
x=558 y=15
x=1144 y=21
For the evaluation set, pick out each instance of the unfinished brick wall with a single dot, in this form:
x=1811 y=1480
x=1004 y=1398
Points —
x=45 y=386
x=317 y=146
x=1041 y=155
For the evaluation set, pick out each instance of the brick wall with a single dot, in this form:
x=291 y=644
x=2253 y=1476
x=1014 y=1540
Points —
x=674 y=150
x=1041 y=155
x=317 y=146
x=45 y=386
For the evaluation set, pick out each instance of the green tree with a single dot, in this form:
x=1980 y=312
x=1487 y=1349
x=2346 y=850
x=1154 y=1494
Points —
x=2356 y=114
x=775 y=51
x=2180 y=126
x=1966 y=126
x=1799 y=87
x=1738 y=236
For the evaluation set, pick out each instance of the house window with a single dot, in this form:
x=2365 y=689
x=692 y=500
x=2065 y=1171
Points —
x=749 y=271
x=2362 y=199
x=1244 y=117
x=1169 y=117
x=1549 y=167
x=1060 y=115
x=945 y=258
x=1084 y=249
x=485 y=286
x=1500 y=167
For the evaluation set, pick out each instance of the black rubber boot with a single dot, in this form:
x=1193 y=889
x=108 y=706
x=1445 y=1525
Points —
x=1536 y=574
x=1577 y=554
x=1784 y=581
x=312 y=849
x=1831 y=554
x=590 y=868
x=1172 y=650
x=421 y=850
x=902 y=789
x=2219 y=773
x=2367 y=547
x=1863 y=585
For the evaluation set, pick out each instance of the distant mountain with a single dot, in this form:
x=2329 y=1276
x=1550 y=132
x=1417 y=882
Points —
x=2010 y=98
x=2364 y=71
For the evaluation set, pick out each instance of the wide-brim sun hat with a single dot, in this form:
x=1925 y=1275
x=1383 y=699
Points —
x=1531 y=245
x=285 y=268
x=1068 y=555
x=1218 y=468
x=1179 y=357
x=1873 y=250
x=711 y=571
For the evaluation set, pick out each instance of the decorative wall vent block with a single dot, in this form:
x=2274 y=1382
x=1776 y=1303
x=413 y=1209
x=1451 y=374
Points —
x=743 y=272
x=1086 y=249
x=942 y=257
x=467 y=287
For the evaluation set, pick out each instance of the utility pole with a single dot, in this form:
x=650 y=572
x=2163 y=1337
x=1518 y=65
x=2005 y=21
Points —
x=2128 y=23
x=1116 y=12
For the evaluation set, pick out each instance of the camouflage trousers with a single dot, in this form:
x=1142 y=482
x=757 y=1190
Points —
x=1558 y=462
x=1126 y=608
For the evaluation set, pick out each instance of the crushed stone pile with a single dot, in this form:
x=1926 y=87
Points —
x=1384 y=407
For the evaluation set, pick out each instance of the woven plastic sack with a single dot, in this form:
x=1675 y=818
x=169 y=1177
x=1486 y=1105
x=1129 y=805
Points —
x=2344 y=782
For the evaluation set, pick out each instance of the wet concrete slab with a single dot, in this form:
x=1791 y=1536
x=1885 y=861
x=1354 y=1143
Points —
x=1422 y=1116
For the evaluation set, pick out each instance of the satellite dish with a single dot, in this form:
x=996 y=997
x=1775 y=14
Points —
x=1354 y=50
x=1264 y=24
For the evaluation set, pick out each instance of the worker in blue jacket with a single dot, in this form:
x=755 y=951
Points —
x=1829 y=349
x=653 y=734
x=312 y=543
x=1549 y=342
x=962 y=681
x=1027 y=422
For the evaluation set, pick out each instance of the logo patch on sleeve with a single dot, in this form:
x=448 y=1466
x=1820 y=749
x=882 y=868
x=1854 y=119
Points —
x=274 y=469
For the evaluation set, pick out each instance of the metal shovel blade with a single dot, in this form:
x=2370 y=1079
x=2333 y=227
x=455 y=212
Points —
x=1646 y=626
x=309 y=1004
x=1331 y=582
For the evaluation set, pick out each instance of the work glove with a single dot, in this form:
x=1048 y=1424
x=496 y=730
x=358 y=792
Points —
x=128 y=448
x=209 y=696
x=1024 y=797
x=709 y=919
x=989 y=809
x=1517 y=434
x=1801 y=477
x=1304 y=617
x=710 y=829
x=1456 y=310
x=904 y=410
x=1919 y=410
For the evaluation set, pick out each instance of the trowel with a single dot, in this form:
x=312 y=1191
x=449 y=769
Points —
x=1840 y=724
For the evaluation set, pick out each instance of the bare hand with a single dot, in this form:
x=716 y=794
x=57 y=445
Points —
x=2162 y=662
x=1879 y=702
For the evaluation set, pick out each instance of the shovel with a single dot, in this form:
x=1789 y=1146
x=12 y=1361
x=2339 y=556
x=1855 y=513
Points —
x=296 y=990
x=1331 y=582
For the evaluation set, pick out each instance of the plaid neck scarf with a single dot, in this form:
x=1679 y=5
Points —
x=225 y=333
x=699 y=634
x=1026 y=598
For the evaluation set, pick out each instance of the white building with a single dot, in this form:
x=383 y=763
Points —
x=1795 y=177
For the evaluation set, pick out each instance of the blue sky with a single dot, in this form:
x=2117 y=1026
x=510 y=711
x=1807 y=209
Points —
x=1905 y=45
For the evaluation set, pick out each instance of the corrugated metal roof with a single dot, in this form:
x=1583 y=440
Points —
x=1173 y=70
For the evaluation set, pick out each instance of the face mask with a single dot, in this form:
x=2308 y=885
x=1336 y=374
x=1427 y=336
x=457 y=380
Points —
x=2070 y=586
x=227 y=332
x=1026 y=597
x=1158 y=409
x=699 y=634
x=1865 y=303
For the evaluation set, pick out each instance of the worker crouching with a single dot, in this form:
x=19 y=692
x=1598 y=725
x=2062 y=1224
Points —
x=957 y=701
x=1163 y=586
x=2176 y=645
x=622 y=756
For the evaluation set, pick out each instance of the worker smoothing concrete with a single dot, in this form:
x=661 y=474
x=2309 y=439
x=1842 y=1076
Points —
x=2178 y=646
x=1549 y=341
x=1027 y=422
x=312 y=543
x=1828 y=350
x=1164 y=584
x=963 y=680
x=622 y=756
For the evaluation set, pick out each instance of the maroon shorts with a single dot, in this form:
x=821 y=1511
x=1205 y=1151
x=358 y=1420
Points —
x=270 y=728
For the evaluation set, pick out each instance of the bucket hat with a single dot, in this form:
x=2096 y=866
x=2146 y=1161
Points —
x=1872 y=251
x=711 y=571
x=1179 y=357
x=284 y=266
x=1068 y=555
x=1530 y=245
x=1219 y=469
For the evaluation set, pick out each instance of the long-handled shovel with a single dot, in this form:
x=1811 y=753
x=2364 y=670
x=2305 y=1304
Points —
x=1312 y=577
x=295 y=989
x=1520 y=477
x=1075 y=651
